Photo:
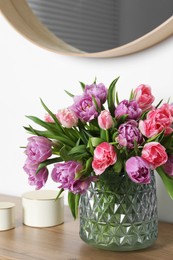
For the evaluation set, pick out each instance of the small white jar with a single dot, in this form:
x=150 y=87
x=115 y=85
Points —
x=7 y=215
x=42 y=209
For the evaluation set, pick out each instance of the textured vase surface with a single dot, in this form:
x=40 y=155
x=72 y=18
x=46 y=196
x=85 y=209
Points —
x=118 y=214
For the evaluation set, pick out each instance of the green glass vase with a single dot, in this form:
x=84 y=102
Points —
x=119 y=215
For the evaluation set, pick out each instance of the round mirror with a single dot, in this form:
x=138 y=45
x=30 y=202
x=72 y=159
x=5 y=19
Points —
x=104 y=28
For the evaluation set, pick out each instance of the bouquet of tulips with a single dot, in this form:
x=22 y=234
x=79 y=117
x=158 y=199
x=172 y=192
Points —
x=98 y=132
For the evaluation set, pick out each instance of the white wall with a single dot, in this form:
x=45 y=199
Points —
x=29 y=72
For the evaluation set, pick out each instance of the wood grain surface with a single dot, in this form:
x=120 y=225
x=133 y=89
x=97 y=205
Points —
x=63 y=242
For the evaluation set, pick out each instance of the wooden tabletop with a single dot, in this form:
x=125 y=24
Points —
x=63 y=242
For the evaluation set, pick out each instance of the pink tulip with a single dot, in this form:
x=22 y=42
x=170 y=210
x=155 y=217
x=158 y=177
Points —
x=67 y=117
x=171 y=109
x=143 y=96
x=157 y=120
x=104 y=156
x=105 y=120
x=154 y=153
x=48 y=118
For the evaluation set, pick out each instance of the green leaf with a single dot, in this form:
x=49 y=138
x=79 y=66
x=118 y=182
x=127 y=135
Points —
x=118 y=166
x=54 y=130
x=159 y=103
x=65 y=140
x=90 y=146
x=95 y=79
x=103 y=134
x=156 y=137
x=136 y=149
x=93 y=125
x=47 y=134
x=58 y=125
x=78 y=149
x=84 y=136
x=79 y=156
x=168 y=101
x=114 y=135
x=51 y=134
x=48 y=126
x=59 y=193
x=131 y=95
x=77 y=199
x=167 y=141
x=96 y=104
x=71 y=133
x=88 y=164
x=57 y=128
x=121 y=119
x=64 y=153
x=78 y=142
x=87 y=170
x=68 y=93
x=144 y=115
x=78 y=175
x=168 y=181
x=96 y=141
x=111 y=96
x=79 y=135
x=117 y=99
x=31 y=130
x=47 y=162
x=82 y=85
x=73 y=202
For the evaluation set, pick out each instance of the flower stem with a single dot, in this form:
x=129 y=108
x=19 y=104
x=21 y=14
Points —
x=107 y=136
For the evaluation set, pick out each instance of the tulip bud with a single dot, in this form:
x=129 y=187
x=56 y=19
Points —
x=105 y=120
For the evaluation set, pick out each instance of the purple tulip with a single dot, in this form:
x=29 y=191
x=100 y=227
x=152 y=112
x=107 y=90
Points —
x=130 y=108
x=98 y=91
x=38 y=149
x=168 y=166
x=84 y=108
x=138 y=170
x=128 y=133
x=35 y=179
x=80 y=186
x=65 y=173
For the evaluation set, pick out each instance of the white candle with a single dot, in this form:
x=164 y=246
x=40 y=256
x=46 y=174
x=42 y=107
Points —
x=40 y=209
x=7 y=215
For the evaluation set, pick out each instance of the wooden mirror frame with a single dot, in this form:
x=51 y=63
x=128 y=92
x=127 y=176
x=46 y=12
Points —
x=21 y=17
